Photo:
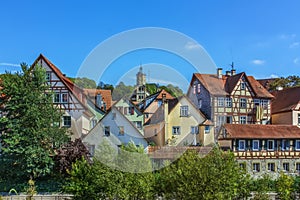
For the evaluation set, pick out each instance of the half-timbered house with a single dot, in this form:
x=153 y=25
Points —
x=70 y=99
x=263 y=148
x=231 y=98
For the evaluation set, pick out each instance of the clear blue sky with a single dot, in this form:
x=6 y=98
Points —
x=262 y=37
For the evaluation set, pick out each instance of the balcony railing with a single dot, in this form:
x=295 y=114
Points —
x=266 y=154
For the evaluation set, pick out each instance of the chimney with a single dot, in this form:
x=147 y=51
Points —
x=164 y=98
x=219 y=72
x=233 y=72
x=228 y=73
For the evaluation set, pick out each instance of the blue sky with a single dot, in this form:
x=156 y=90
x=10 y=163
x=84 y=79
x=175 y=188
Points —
x=262 y=37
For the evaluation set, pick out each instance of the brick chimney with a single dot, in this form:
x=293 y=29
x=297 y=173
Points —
x=219 y=72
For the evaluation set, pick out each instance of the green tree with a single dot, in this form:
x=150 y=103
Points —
x=84 y=82
x=285 y=82
x=122 y=90
x=284 y=186
x=108 y=176
x=216 y=176
x=29 y=137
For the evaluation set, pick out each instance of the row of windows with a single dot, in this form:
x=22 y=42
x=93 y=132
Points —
x=270 y=145
x=196 y=88
x=228 y=119
x=61 y=98
x=126 y=110
x=176 y=130
x=271 y=167
x=227 y=102
x=107 y=130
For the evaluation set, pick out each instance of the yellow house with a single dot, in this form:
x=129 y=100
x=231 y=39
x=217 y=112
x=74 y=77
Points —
x=179 y=123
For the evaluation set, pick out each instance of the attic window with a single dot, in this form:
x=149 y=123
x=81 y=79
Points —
x=184 y=111
x=48 y=76
x=243 y=85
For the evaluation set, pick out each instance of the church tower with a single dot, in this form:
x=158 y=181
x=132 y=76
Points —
x=139 y=93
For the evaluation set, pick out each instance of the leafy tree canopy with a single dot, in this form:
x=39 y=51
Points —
x=285 y=82
x=29 y=136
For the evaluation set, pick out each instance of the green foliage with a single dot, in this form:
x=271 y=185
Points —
x=216 y=176
x=84 y=82
x=101 y=180
x=175 y=91
x=290 y=81
x=29 y=139
x=284 y=186
x=122 y=90
x=262 y=186
x=105 y=86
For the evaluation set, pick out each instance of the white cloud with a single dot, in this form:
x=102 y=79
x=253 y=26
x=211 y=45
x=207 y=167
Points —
x=295 y=45
x=192 y=46
x=296 y=61
x=10 y=64
x=162 y=82
x=287 y=36
x=258 y=62
x=274 y=76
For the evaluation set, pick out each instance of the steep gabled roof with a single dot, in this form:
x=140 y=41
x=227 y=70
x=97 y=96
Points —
x=258 y=89
x=224 y=86
x=232 y=81
x=213 y=84
x=106 y=95
x=158 y=95
x=67 y=82
x=259 y=131
x=285 y=100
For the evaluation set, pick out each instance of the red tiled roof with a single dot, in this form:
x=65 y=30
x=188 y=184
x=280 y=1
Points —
x=215 y=85
x=75 y=90
x=285 y=100
x=106 y=95
x=259 y=131
x=168 y=95
x=258 y=89
x=225 y=85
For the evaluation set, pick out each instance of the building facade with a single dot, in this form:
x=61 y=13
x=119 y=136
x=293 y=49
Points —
x=263 y=148
x=231 y=98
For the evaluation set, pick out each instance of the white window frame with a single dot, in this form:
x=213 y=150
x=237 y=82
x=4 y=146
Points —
x=184 y=111
x=286 y=166
x=243 y=119
x=271 y=167
x=273 y=145
x=240 y=142
x=297 y=167
x=228 y=102
x=194 y=130
x=243 y=103
x=253 y=142
x=176 y=130
x=256 y=102
x=256 y=167
x=198 y=88
x=221 y=101
x=65 y=120
x=62 y=97
x=243 y=85
x=56 y=95
x=200 y=103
